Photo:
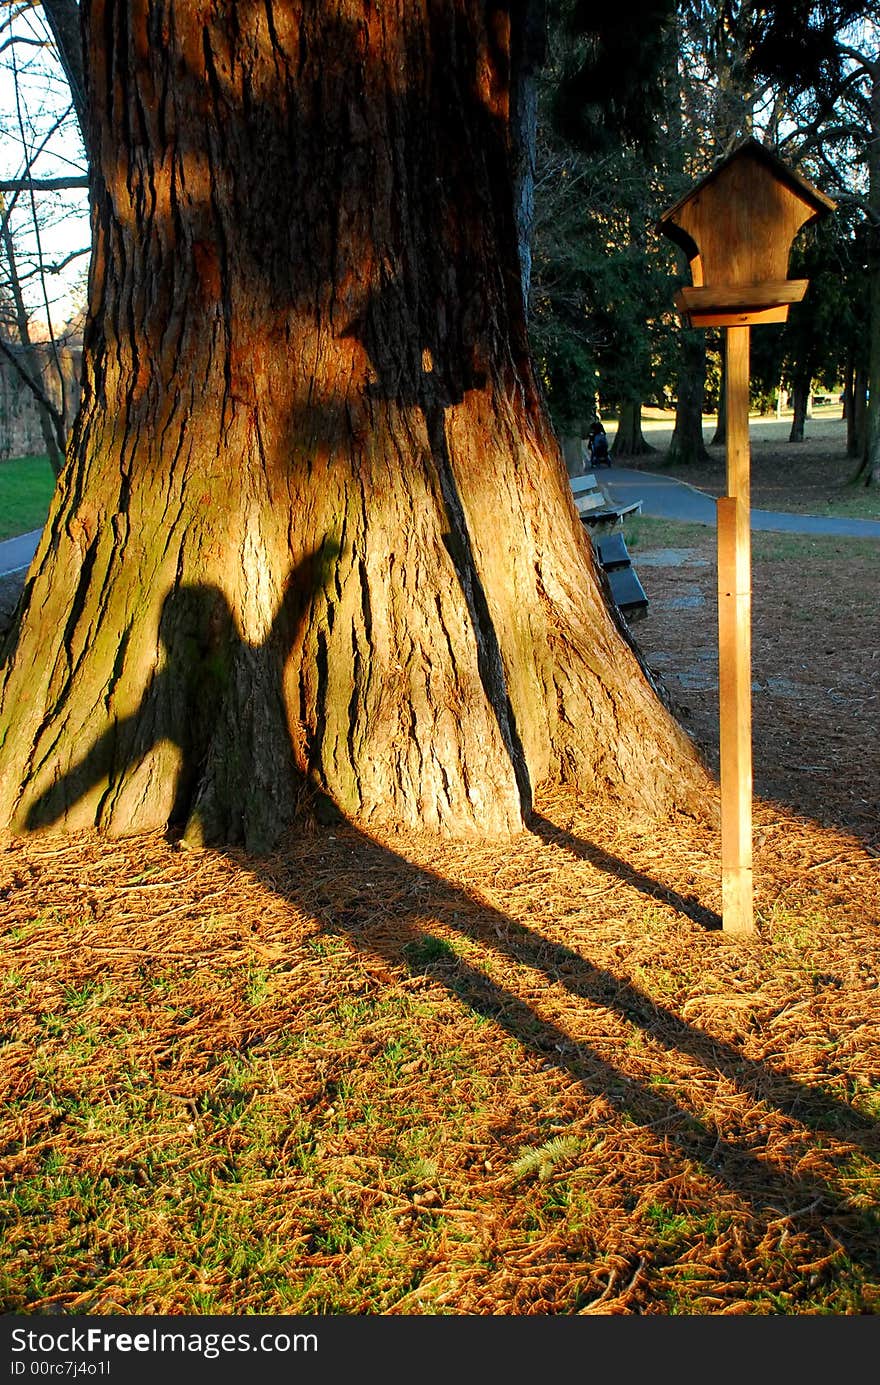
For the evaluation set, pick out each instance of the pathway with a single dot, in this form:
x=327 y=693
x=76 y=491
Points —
x=663 y=497
x=16 y=553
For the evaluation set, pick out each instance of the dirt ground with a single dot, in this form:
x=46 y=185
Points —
x=815 y=665
x=530 y=1077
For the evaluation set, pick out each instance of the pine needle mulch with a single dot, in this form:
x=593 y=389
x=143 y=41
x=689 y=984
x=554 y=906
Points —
x=520 y=1078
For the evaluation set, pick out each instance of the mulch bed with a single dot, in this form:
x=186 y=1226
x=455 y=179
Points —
x=815 y=667
x=624 y=1110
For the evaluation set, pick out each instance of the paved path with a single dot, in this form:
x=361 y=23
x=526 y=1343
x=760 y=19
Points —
x=663 y=497
x=16 y=554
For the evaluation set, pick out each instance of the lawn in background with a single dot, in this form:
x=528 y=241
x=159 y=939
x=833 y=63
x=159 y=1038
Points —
x=26 y=486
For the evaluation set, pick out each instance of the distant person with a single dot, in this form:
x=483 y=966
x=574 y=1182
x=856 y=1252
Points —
x=597 y=442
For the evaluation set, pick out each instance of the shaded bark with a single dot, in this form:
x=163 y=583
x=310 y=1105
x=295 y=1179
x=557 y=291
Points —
x=869 y=471
x=528 y=44
x=687 y=443
x=800 y=399
x=856 y=418
x=63 y=18
x=629 y=440
x=316 y=547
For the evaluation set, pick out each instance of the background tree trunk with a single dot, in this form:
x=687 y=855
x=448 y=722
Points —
x=629 y=440
x=869 y=471
x=856 y=422
x=719 y=437
x=800 y=398
x=316 y=542
x=528 y=43
x=687 y=443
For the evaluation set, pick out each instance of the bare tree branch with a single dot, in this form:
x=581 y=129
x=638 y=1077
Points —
x=43 y=184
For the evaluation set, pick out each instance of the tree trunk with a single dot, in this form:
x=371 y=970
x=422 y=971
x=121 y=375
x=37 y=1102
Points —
x=847 y=410
x=856 y=423
x=869 y=471
x=527 y=55
x=629 y=441
x=316 y=544
x=62 y=16
x=687 y=443
x=800 y=398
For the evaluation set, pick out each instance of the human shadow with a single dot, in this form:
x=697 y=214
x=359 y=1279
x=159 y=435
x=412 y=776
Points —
x=201 y=655
x=199 y=617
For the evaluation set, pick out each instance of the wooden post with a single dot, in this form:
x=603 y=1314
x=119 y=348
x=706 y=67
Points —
x=737 y=226
x=735 y=647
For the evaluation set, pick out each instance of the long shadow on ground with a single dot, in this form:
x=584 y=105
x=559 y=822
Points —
x=758 y=1179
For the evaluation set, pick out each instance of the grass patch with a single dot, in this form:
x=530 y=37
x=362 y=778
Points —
x=583 y=1102
x=862 y=502
x=26 y=488
x=644 y=534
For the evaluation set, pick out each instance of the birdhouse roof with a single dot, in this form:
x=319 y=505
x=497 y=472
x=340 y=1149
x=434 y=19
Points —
x=816 y=201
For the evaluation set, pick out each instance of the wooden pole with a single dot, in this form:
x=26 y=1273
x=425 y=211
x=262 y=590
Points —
x=735 y=647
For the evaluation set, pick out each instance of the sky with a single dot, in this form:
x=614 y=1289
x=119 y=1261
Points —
x=33 y=98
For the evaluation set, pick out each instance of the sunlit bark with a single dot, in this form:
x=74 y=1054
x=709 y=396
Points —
x=316 y=545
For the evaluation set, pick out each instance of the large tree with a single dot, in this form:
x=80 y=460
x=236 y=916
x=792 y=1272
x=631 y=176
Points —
x=314 y=543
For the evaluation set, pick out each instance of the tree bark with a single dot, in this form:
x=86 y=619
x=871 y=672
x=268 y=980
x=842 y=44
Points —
x=63 y=18
x=687 y=443
x=800 y=398
x=528 y=45
x=856 y=422
x=316 y=546
x=629 y=440
x=869 y=471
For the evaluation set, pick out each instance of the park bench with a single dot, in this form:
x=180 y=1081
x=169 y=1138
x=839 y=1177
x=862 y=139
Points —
x=603 y=519
x=626 y=589
x=596 y=510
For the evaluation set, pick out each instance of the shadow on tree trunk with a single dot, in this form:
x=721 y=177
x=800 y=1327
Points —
x=753 y=1174
x=201 y=653
x=195 y=679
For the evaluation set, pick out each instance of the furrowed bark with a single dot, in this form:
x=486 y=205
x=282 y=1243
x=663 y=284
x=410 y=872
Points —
x=316 y=543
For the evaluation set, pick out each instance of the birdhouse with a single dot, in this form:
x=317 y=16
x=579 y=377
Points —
x=737 y=227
